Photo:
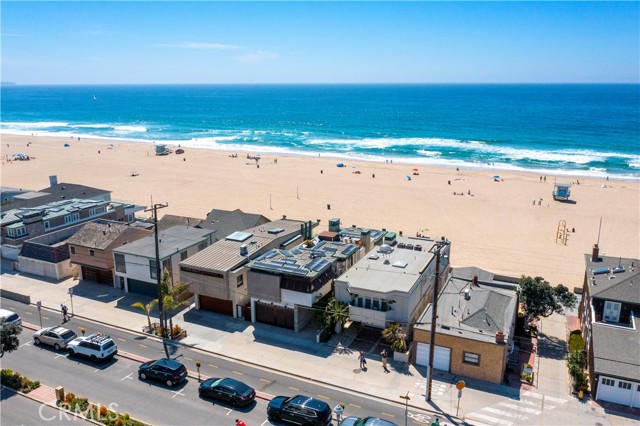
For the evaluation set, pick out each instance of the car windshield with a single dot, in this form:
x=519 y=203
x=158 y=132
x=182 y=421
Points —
x=68 y=334
x=12 y=318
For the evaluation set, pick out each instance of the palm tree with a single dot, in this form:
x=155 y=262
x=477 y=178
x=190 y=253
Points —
x=394 y=334
x=147 y=309
x=336 y=312
x=172 y=303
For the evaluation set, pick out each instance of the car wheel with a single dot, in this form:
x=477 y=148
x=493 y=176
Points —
x=36 y=341
x=169 y=383
x=57 y=347
x=94 y=358
x=274 y=417
x=72 y=352
x=142 y=376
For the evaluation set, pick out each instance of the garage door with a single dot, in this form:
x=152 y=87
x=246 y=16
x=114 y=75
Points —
x=615 y=390
x=441 y=357
x=275 y=315
x=216 y=305
x=142 y=287
x=98 y=275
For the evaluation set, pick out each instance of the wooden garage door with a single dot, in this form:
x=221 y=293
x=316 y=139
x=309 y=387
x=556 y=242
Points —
x=213 y=304
x=275 y=315
x=98 y=275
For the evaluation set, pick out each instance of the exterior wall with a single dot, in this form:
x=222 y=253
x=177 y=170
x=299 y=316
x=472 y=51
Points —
x=56 y=271
x=104 y=259
x=493 y=356
x=137 y=268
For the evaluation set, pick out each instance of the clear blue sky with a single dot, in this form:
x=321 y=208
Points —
x=304 y=42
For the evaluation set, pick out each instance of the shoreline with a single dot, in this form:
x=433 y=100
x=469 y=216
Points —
x=271 y=151
x=507 y=227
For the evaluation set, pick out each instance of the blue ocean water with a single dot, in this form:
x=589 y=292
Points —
x=583 y=130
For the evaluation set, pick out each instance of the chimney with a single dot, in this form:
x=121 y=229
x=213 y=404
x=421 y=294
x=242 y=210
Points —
x=243 y=250
x=475 y=280
x=499 y=337
x=53 y=180
x=309 y=230
x=467 y=294
x=302 y=231
x=284 y=216
x=595 y=253
x=365 y=237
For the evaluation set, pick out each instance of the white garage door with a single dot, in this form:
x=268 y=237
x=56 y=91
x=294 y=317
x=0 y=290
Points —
x=441 y=357
x=615 y=390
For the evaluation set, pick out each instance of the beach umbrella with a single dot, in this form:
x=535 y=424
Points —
x=18 y=155
x=408 y=177
x=415 y=170
x=66 y=145
x=340 y=165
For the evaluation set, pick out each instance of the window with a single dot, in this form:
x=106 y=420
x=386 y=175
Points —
x=153 y=272
x=121 y=265
x=72 y=249
x=202 y=246
x=11 y=232
x=92 y=252
x=72 y=218
x=624 y=385
x=607 y=382
x=21 y=231
x=183 y=255
x=47 y=225
x=470 y=358
x=96 y=211
x=240 y=280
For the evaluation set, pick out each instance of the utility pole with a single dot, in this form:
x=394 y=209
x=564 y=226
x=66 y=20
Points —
x=434 y=315
x=154 y=209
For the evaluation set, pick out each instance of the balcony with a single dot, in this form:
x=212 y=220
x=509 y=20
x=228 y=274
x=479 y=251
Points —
x=376 y=318
x=623 y=322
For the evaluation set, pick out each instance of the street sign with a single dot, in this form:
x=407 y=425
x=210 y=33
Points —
x=70 y=290
x=460 y=385
x=459 y=394
x=39 y=304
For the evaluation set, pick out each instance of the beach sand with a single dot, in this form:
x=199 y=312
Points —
x=497 y=228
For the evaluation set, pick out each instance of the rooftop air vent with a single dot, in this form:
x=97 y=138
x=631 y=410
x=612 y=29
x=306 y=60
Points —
x=400 y=264
x=386 y=262
x=617 y=269
x=374 y=257
x=385 y=248
x=400 y=245
x=599 y=271
x=409 y=246
x=275 y=231
x=417 y=247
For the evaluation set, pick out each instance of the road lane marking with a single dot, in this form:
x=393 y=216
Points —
x=237 y=372
x=188 y=359
x=387 y=414
x=265 y=380
x=47 y=318
x=142 y=346
x=121 y=339
x=266 y=422
x=213 y=366
x=176 y=393
x=97 y=369
x=292 y=388
x=59 y=355
x=354 y=405
x=128 y=376
x=29 y=313
x=26 y=344
x=322 y=396
x=229 y=411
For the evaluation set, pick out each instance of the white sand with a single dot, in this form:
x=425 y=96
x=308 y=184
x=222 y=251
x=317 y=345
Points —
x=497 y=228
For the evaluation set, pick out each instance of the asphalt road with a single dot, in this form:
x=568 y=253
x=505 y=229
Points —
x=20 y=411
x=117 y=382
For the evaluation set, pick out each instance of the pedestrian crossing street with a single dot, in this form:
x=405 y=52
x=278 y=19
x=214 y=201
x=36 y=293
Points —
x=515 y=411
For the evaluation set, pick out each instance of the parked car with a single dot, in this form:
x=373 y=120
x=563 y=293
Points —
x=95 y=346
x=10 y=317
x=300 y=409
x=165 y=370
x=231 y=391
x=58 y=337
x=366 y=421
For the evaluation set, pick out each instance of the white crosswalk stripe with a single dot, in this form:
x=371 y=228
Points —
x=504 y=413
x=493 y=420
x=554 y=399
x=476 y=423
x=519 y=408
x=532 y=394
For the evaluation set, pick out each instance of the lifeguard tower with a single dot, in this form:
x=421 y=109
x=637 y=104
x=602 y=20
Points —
x=162 y=150
x=561 y=191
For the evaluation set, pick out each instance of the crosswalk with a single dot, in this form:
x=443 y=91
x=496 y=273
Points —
x=437 y=388
x=515 y=411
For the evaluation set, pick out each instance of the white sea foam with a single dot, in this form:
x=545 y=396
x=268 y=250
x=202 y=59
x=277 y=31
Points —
x=36 y=125
x=130 y=129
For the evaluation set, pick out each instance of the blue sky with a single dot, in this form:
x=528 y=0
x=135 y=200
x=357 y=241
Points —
x=326 y=42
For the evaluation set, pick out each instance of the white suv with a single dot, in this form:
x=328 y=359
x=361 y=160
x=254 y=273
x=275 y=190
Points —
x=95 y=346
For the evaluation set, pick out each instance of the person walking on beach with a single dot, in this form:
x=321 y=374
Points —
x=65 y=315
x=339 y=410
x=363 y=361
x=384 y=356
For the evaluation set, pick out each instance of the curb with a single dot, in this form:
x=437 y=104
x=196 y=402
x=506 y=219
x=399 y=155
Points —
x=450 y=418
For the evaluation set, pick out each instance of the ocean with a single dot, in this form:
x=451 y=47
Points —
x=576 y=129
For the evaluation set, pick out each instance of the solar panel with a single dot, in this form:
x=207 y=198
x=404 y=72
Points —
x=318 y=253
x=287 y=253
x=270 y=254
x=321 y=265
x=330 y=249
x=296 y=251
x=320 y=244
x=348 y=250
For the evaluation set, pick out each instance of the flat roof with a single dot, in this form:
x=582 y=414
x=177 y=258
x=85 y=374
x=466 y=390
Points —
x=376 y=271
x=171 y=240
x=51 y=210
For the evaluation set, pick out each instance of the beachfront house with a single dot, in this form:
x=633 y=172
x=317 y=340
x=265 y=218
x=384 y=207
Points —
x=59 y=191
x=286 y=285
x=135 y=263
x=474 y=329
x=24 y=223
x=391 y=283
x=610 y=303
x=170 y=220
x=218 y=275
x=91 y=249
x=225 y=222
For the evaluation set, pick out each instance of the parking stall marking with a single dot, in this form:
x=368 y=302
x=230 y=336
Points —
x=128 y=376
x=176 y=393
x=60 y=355
x=26 y=344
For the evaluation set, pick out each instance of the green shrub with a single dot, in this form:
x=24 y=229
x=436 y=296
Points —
x=576 y=343
x=15 y=381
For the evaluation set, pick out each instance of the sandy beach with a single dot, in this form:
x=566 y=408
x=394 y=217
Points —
x=497 y=228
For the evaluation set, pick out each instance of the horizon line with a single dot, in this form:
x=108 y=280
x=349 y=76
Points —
x=11 y=83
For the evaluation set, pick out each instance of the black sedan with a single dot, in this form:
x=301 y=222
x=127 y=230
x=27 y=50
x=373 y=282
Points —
x=168 y=371
x=366 y=421
x=230 y=391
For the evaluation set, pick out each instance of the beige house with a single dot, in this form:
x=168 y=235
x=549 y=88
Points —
x=218 y=275
x=475 y=326
x=91 y=248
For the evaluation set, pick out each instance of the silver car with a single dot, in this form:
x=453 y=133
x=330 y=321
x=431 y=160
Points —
x=58 y=337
